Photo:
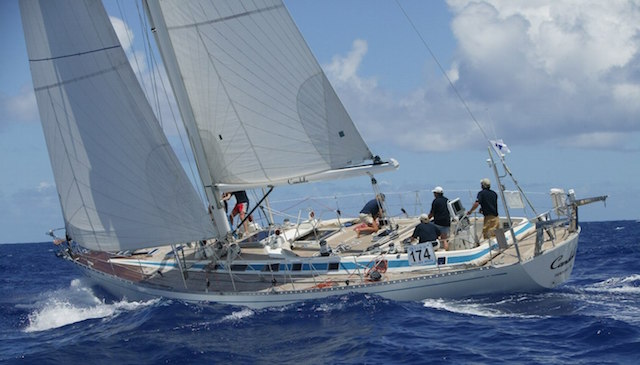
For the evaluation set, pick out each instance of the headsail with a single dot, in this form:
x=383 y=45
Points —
x=262 y=107
x=119 y=182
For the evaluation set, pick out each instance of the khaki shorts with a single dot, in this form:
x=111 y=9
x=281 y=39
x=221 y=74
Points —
x=366 y=218
x=491 y=223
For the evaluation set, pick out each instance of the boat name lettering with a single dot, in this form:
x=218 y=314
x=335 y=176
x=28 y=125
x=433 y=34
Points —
x=559 y=262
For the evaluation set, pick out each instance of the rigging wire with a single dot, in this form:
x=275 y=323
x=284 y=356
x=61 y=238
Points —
x=158 y=84
x=148 y=50
x=152 y=95
x=491 y=123
x=424 y=42
x=124 y=19
x=500 y=156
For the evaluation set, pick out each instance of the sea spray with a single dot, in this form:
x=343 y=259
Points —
x=74 y=304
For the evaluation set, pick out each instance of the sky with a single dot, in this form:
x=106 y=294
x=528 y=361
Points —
x=427 y=83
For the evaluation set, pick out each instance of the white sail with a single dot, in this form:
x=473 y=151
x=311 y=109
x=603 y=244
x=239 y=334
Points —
x=119 y=182
x=263 y=109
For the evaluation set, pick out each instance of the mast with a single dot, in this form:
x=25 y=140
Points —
x=160 y=32
x=504 y=204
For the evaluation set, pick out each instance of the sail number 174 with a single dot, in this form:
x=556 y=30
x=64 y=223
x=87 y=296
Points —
x=421 y=254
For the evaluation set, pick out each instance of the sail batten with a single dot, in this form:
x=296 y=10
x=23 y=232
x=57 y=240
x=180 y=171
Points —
x=120 y=184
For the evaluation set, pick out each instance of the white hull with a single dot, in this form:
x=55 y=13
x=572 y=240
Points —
x=136 y=225
x=549 y=269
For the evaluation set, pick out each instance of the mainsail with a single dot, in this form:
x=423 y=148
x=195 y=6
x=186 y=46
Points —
x=119 y=182
x=257 y=101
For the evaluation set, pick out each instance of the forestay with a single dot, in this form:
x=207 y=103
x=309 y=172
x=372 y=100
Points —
x=262 y=108
x=119 y=182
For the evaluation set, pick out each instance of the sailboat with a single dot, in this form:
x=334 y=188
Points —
x=259 y=113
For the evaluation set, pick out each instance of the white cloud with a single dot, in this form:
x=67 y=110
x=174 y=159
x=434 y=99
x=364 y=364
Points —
x=29 y=213
x=43 y=186
x=425 y=119
x=344 y=69
x=597 y=139
x=556 y=66
x=453 y=74
x=628 y=95
x=20 y=107
x=124 y=33
x=566 y=73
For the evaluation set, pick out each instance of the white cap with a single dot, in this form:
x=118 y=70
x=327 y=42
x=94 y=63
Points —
x=424 y=218
x=485 y=182
x=438 y=189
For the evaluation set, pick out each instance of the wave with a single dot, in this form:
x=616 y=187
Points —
x=333 y=304
x=615 y=298
x=617 y=285
x=76 y=303
x=481 y=308
x=238 y=315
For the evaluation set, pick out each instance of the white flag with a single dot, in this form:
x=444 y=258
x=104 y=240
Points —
x=500 y=147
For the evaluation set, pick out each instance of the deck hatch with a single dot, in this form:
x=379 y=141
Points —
x=317 y=235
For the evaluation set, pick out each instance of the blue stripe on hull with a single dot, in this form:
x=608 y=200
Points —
x=307 y=268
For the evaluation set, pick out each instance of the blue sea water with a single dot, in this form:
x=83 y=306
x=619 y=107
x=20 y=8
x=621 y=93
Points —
x=49 y=315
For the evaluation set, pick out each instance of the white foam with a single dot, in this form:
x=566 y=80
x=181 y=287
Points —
x=474 y=309
x=631 y=278
x=461 y=307
x=602 y=305
x=236 y=316
x=614 y=298
x=74 y=304
x=624 y=285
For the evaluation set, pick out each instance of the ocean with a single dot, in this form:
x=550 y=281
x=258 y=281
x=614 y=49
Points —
x=50 y=315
